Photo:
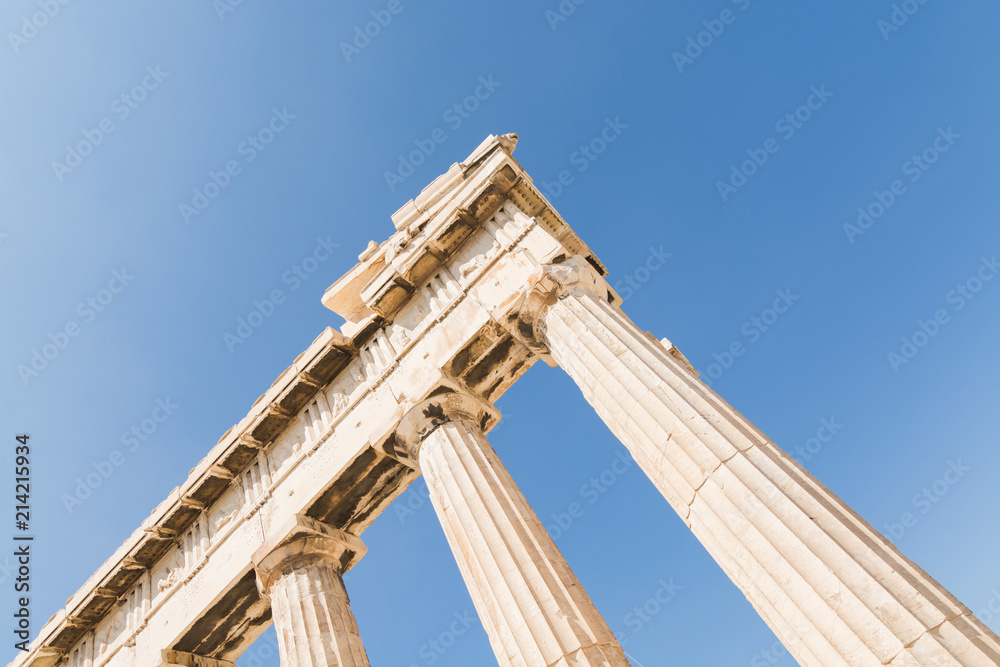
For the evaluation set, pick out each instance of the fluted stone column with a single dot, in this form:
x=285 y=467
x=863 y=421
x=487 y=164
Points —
x=301 y=573
x=531 y=604
x=831 y=587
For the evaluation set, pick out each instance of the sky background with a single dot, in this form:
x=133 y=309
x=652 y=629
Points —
x=222 y=74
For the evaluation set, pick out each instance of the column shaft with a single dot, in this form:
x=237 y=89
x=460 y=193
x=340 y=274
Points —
x=533 y=607
x=834 y=590
x=309 y=604
x=312 y=613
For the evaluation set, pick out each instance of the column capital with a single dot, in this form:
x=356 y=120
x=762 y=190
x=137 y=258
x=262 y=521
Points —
x=449 y=404
x=180 y=659
x=522 y=315
x=302 y=540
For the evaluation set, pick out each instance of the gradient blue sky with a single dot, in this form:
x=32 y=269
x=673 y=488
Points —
x=656 y=186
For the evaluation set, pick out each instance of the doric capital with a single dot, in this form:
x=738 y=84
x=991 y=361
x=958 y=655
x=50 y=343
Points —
x=450 y=405
x=300 y=542
x=522 y=316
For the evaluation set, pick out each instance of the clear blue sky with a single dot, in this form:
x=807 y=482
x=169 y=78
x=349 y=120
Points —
x=879 y=97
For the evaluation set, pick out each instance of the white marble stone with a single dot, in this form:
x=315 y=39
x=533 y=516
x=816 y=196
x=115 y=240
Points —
x=445 y=295
x=534 y=609
x=834 y=590
x=302 y=575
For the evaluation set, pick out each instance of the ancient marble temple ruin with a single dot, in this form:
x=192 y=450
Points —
x=481 y=279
